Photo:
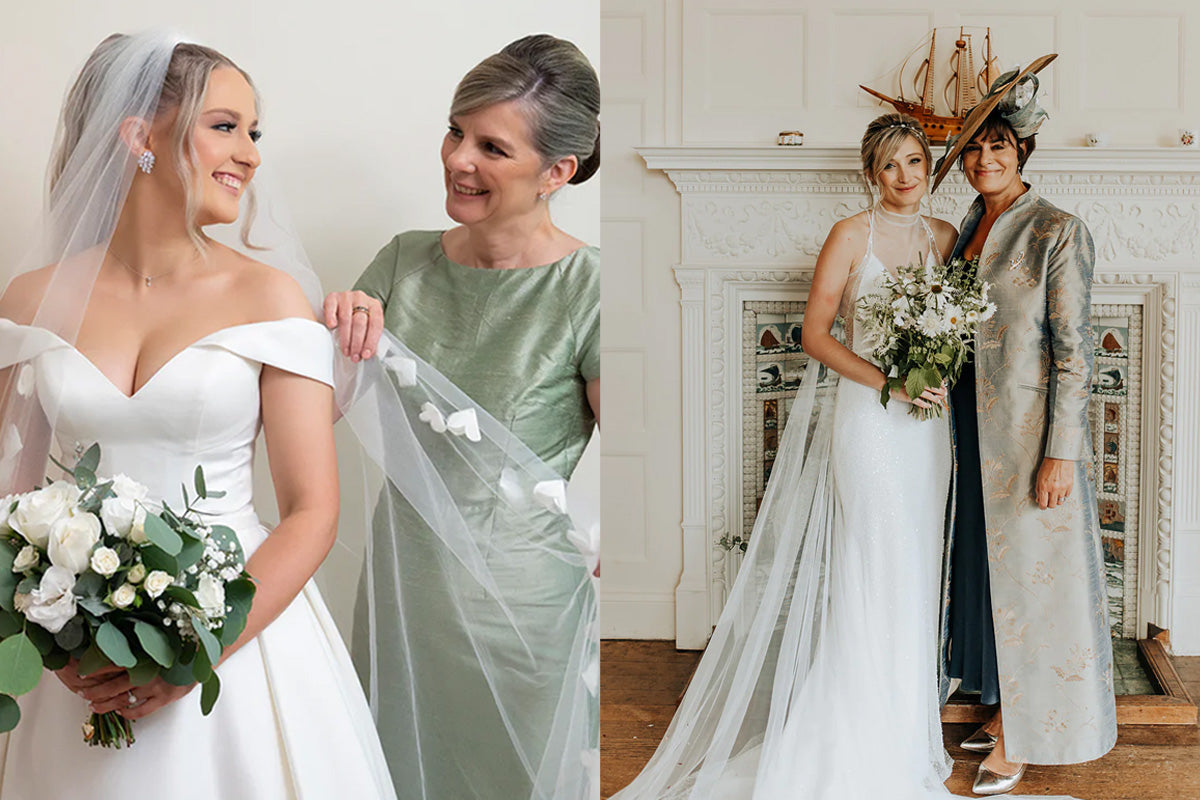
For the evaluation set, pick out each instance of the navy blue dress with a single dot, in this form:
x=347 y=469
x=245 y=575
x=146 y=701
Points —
x=972 y=637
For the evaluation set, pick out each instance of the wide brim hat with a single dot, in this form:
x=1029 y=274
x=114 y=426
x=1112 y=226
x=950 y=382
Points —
x=979 y=113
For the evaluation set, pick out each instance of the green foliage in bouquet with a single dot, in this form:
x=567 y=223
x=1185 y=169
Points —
x=91 y=570
x=922 y=329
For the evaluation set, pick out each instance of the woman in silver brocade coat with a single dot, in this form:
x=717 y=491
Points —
x=1028 y=616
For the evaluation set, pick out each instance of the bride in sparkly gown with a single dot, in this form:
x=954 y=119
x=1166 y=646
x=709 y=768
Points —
x=821 y=679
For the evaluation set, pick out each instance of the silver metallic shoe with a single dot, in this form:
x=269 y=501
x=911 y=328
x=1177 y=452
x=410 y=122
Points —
x=988 y=782
x=980 y=742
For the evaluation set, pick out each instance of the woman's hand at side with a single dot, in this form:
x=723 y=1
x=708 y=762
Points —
x=358 y=319
x=1055 y=480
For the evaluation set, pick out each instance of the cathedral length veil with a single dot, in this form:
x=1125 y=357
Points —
x=733 y=713
x=398 y=407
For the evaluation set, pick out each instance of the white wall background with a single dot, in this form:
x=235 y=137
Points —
x=708 y=72
x=355 y=98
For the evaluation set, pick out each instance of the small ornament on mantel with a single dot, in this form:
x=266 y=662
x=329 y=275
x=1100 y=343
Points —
x=790 y=138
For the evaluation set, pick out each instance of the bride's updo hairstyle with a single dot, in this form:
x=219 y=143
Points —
x=183 y=89
x=883 y=138
x=557 y=88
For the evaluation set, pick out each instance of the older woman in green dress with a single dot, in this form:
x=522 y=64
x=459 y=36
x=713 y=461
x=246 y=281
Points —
x=505 y=305
x=1028 y=622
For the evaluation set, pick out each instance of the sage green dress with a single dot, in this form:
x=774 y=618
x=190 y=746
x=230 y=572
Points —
x=522 y=344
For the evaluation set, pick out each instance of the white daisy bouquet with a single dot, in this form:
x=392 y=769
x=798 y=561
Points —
x=922 y=329
x=93 y=570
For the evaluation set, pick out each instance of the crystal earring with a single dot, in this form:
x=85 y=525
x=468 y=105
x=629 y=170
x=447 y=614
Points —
x=541 y=195
x=145 y=161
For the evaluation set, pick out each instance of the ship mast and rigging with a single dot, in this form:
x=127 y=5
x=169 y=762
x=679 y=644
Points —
x=967 y=85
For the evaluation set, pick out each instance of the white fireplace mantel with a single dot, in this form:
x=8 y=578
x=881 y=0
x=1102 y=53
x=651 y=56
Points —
x=753 y=220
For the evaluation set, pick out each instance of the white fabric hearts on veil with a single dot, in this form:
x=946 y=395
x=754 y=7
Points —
x=460 y=423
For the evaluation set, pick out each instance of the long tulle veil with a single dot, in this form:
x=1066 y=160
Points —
x=773 y=622
x=458 y=479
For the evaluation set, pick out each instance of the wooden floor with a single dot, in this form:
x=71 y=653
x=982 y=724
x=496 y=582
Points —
x=641 y=681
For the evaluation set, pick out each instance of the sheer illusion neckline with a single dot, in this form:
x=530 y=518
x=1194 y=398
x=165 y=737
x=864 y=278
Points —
x=202 y=341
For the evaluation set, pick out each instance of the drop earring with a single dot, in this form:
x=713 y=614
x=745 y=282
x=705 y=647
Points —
x=145 y=161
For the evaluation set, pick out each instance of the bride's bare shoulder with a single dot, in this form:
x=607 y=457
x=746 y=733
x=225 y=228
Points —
x=273 y=293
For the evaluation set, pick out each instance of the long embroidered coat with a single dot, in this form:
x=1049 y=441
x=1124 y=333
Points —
x=1033 y=379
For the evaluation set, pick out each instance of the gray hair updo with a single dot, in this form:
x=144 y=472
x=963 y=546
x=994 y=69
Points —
x=556 y=86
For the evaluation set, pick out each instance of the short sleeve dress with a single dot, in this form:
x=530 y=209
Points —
x=521 y=343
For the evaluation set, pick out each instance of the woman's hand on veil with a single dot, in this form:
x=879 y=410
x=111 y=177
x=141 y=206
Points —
x=358 y=319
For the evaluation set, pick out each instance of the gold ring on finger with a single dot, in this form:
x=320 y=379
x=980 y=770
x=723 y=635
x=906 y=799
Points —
x=360 y=310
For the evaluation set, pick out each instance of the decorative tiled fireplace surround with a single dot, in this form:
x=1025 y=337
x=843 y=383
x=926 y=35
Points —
x=753 y=220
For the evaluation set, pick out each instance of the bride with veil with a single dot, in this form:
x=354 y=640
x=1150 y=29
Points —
x=821 y=679
x=140 y=323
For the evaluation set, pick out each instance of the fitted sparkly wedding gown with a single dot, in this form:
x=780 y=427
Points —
x=291 y=721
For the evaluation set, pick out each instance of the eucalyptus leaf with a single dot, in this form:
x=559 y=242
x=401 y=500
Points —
x=90 y=460
x=84 y=478
x=154 y=558
x=42 y=639
x=201 y=667
x=8 y=578
x=155 y=642
x=183 y=595
x=92 y=659
x=208 y=693
x=208 y=641
x=20 y=665
x=10 y=623
x=28 y=584
x=143 y=672
x=72 y=634
x=161 y=535
x=55 y=660
x=115 y=645
x=190 y=553
x=10 y=713
x=201 y=489
x=180 y=674
x=93 y=605
x=89 y=584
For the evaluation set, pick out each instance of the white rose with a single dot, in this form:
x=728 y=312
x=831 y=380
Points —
x=136 y=574
x=137 y=531
x=52 y=604
x=105 y=561
x=123 y=596
x=211 y=594
x=72 y=540
x=157 y=583
x=121 y=513
x=28 y=558
x=39 y=510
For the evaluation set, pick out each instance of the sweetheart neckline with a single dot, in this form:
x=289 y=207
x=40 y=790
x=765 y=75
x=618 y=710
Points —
x=175 y=356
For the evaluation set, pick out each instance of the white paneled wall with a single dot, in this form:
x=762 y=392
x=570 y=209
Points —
x=694 y=73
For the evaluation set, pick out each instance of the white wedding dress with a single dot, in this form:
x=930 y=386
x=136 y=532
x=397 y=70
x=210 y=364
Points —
x=291 y=720
x=822 y=678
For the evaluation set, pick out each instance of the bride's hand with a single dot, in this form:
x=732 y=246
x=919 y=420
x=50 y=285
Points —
x=133 y=702
x=358 y=319
x=927 y=399
x=79 y=684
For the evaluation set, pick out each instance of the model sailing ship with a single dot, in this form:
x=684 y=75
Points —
x=961 y=92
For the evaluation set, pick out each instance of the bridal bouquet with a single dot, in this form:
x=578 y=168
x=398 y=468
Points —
x=921 y=329
x=93 y=570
